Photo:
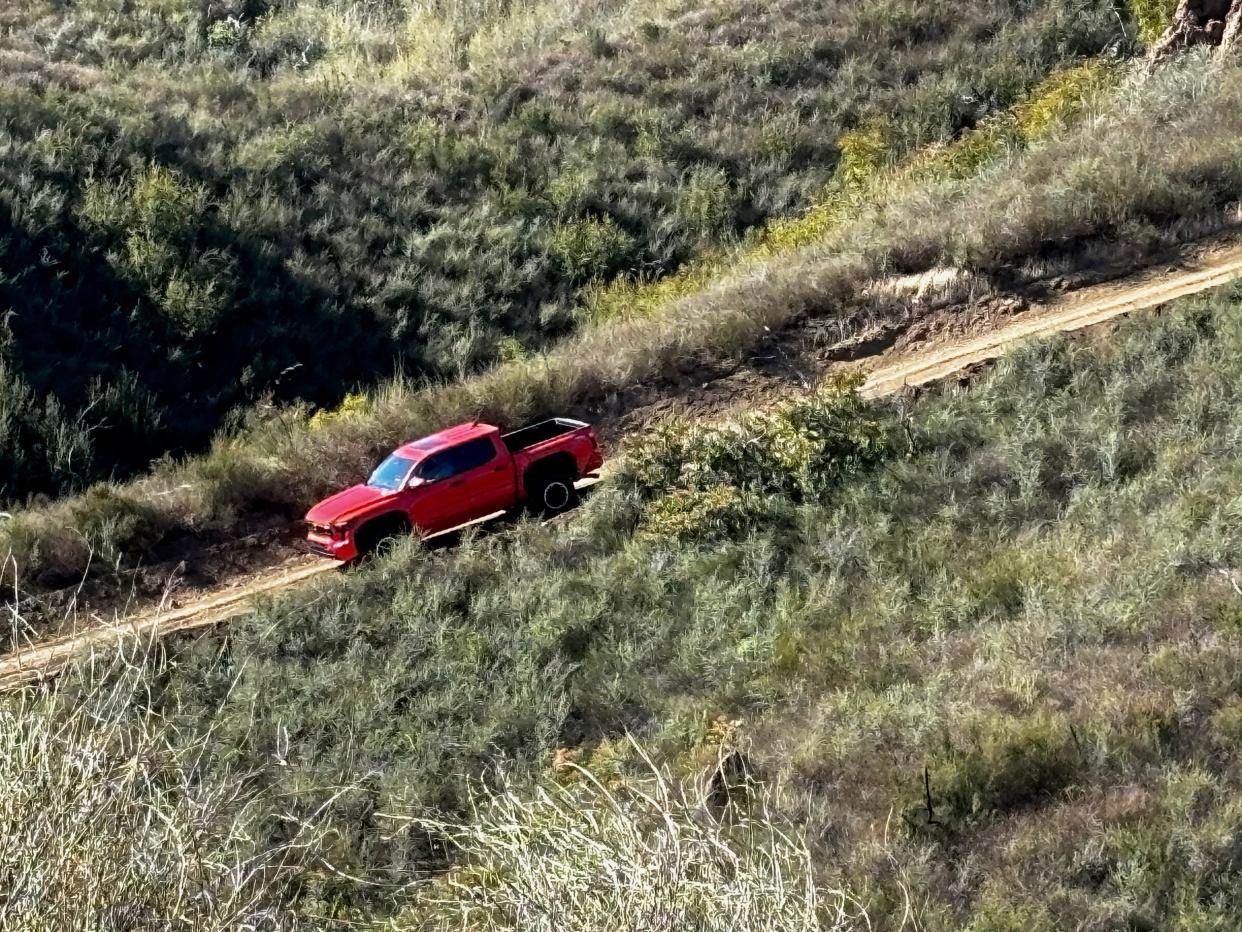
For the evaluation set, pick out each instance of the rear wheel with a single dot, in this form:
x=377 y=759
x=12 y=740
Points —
x=552 y=494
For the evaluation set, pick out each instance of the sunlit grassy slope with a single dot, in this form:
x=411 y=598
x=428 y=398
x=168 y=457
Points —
x=982 y=668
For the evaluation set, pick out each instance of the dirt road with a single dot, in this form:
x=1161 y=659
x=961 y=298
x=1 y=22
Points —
x=1076 y=311
x=888 y=373
x=40 y=661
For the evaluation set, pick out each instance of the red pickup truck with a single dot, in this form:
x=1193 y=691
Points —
x=454 y=477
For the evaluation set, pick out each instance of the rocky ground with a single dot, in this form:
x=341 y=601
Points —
x=1202 y=22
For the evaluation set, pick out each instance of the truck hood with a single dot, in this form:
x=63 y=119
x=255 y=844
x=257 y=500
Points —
x=345 y=504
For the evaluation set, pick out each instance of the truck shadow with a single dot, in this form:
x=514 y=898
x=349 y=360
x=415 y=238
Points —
x=504 y=521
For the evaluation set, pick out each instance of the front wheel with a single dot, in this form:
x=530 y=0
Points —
x=386 y=545
x=552 y=495
x=381 y=538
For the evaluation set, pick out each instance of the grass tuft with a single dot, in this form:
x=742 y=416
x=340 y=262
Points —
x=107 y=816
x=647 y=854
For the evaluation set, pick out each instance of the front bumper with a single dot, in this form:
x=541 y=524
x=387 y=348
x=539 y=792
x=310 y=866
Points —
x=333 y=548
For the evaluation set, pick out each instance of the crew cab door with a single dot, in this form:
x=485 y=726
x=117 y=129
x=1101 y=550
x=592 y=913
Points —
x=489 y=476
x=462 y=483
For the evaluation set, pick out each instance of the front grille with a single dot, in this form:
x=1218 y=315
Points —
x=319 y=549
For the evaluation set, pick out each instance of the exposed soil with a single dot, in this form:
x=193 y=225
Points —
x=1202 y=22
x=927 y=342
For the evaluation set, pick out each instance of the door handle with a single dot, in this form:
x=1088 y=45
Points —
x=456 y=482
x=501 y=468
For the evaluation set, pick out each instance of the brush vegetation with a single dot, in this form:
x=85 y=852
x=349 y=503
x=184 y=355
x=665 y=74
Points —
x=984 y=676
x=1097 y=165
x=108 y=821
x=213 y=206
x=962 y=664
x=965 y=662
x=645 y=854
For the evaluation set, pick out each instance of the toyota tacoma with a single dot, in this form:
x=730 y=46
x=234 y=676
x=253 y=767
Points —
x=452 y=478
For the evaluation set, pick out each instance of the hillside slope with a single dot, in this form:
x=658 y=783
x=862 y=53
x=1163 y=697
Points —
x=979 y=652
x=284 y=565
x=1102 y=165
x=958 y=660
x=208 y=208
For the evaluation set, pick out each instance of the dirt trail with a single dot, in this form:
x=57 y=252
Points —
x=889 y=372
x=1077 y=311
x=40 y=661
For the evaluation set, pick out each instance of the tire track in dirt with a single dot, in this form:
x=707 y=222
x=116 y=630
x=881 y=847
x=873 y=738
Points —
x=1084 y=308
x=1093 y=306
x=42 y=661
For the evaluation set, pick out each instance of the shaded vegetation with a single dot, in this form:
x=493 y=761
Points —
x=211 y=206
x=1149 y=161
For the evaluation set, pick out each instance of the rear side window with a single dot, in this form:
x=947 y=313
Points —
x=458 y=460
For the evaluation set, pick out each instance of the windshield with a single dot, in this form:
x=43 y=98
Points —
x=390 y=474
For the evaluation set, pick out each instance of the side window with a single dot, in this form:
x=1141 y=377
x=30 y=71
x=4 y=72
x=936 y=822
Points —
x=455 y=461
x=436 y=467
x=472 y=455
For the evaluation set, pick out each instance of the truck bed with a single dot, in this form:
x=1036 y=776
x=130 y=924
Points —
x=519 y=440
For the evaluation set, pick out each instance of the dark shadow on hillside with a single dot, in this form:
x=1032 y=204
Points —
x=78 y=326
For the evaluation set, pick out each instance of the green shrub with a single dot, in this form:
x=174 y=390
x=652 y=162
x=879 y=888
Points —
x=163 y=205
x=113 y=522
x=37 y=439
x=226 y=35
x=700 y=514
x=591 y=248
x=705 y=203
x=997 y=766
x=155 y=223
x=283 y=148
x=800 y=449
x=1152 y=16
x=704 y=482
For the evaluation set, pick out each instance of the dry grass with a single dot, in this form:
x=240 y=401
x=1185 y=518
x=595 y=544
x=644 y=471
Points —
x=648 y=855
x=108 y=820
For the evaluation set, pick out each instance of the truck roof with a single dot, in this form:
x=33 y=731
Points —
x=450 y=436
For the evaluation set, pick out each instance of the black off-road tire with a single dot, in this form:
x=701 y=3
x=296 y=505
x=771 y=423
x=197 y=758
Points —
x=552 y=494
x=379 y=540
